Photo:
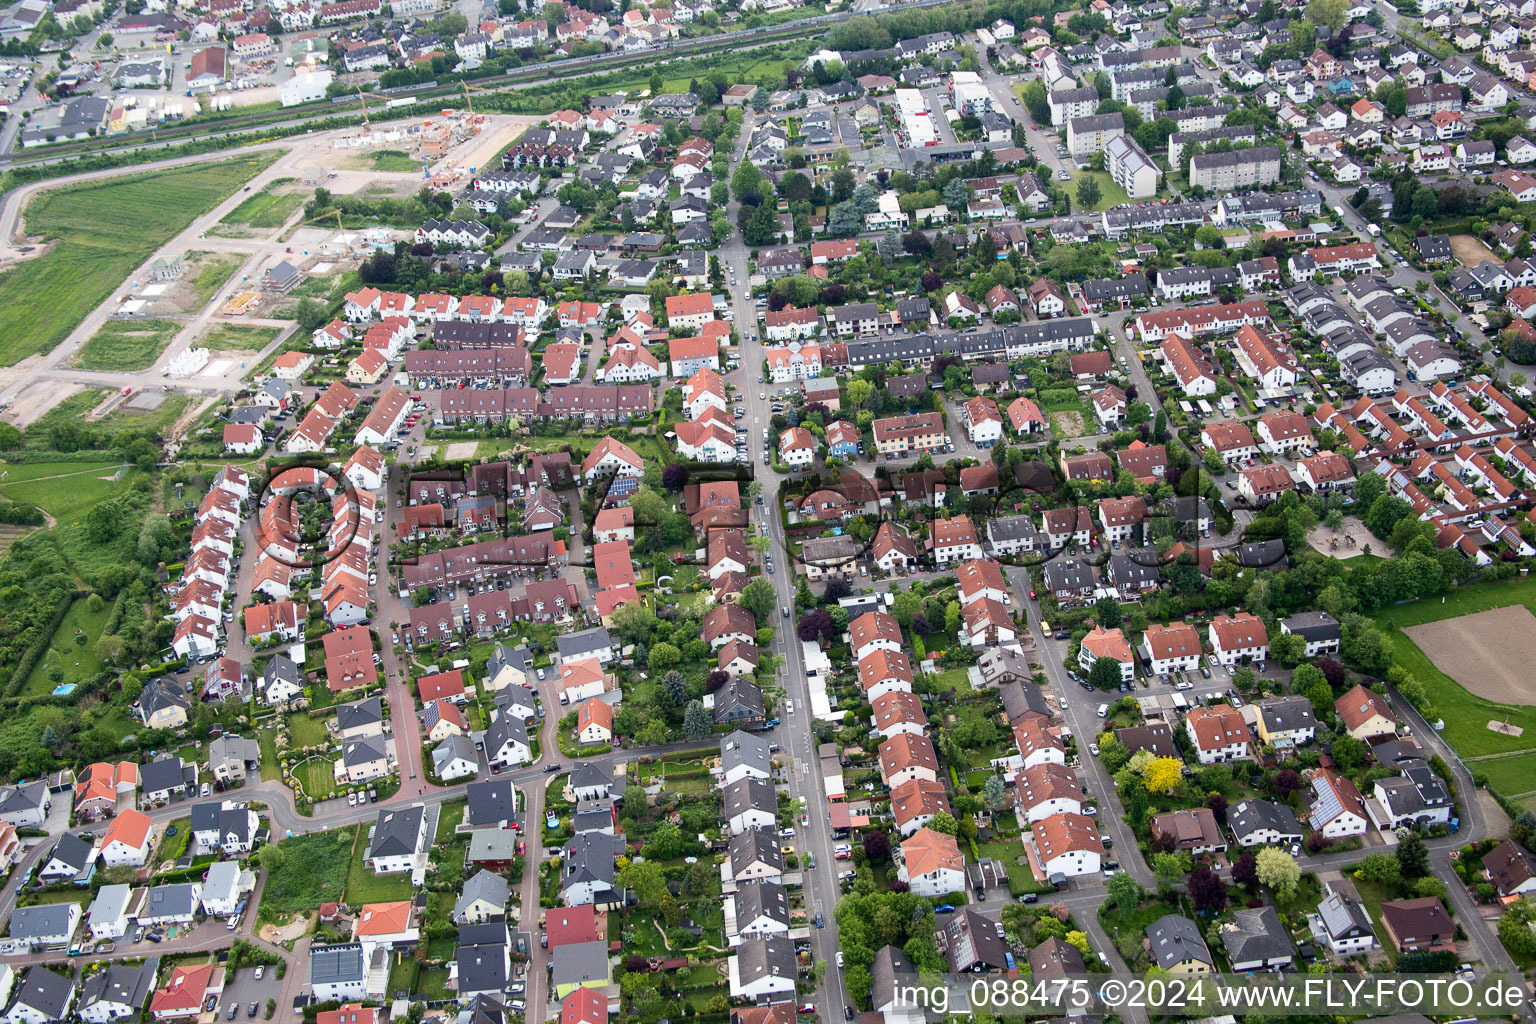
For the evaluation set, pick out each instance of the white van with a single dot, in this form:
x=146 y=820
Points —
x=1103 y=710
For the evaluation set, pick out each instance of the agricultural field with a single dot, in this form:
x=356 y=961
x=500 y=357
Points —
x=101 y=232
x=1495 y=672
x=269 y=208
x=124 y=345
x=1466 y=714
x=235 y=338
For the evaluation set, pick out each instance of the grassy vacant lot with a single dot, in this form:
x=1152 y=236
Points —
x=269 y=208
x=234 y=338
x=102 y=230
x=77 y=661
x=126 y=345
x=69 y=490
x=394 y=160
x=212 y=275
x=313 y=871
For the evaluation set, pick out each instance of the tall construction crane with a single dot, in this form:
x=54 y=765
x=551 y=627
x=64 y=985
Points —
x=364 y=103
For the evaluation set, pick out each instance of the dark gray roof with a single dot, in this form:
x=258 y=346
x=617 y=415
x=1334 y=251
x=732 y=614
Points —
x=1313 y=626
x=177 y=900
x=1344 y=916
x=738 y=693
x=1020 y=698
x=396 y=832
x=760 y=898
x=363 y=751
x=72 y=850
x=1263 y=554
x=162 y=775
x=589 y=857
x=890 y=971
x=588 y=775
x=44 y=920
x=1256 y=936
x=25 y=797
x=971 y=941
x=750 y=793
x=491 y=802
x=760 y=957
x=1067 y=574
x=756 y=844
x=121 y=985
x=1143 y=568
x=1284 y=714
x=1250 y=816
x=576 y=645
x=360 y=715
x=504 y=729
x=162 y=693
x=281 y=667
x=744 y=749
x=45 y=992
x=1175 y=939
x=503 y=656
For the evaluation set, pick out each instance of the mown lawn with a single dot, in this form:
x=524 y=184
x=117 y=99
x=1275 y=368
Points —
x=1511 y=776
x=318 y=776
x=313 y=871
x=1110 y=194
x=123 y=345
x=305 y=731
x=103 y=230
x=68 y=492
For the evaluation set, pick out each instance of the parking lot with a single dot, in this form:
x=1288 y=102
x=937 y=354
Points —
x=242 y=990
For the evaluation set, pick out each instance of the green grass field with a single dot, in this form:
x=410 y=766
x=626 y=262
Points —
x=318 y=777
x=234 y=338
x=68 y=492
x=123 y=345
x=103 y=231
x=1110 y=194
x=305 y=731
x=269 y=208
x=23 y=471
x=76 y=661
x=1513 y=776
x=394 y=160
